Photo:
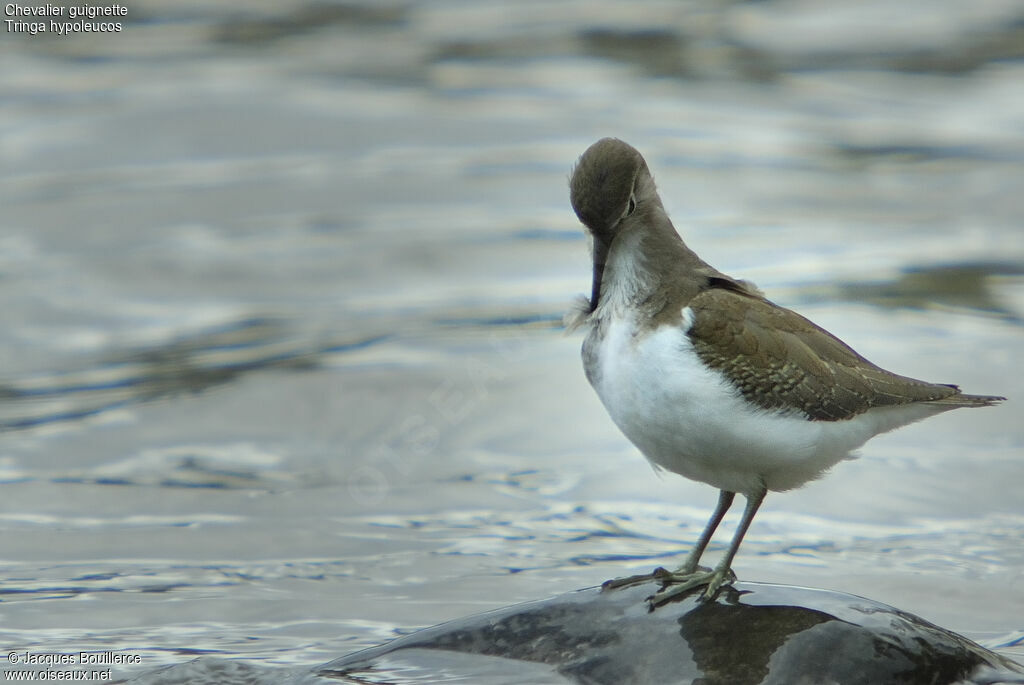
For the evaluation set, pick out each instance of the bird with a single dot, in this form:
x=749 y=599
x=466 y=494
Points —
x=707 y=377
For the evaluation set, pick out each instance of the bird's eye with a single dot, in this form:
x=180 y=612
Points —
x=631 y=207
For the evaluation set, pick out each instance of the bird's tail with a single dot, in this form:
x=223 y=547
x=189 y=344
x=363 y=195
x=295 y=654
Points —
x=959 y=399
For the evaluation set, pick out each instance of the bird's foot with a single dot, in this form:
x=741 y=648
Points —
x=629 y=581
x=682 y=582
x=677 y=583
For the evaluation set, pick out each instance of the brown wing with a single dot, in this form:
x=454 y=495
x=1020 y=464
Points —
x=779 y=360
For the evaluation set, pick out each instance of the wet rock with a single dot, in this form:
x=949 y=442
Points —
x=752 y=634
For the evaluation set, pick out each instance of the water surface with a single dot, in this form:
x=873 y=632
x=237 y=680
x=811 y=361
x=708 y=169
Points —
x=283 y=373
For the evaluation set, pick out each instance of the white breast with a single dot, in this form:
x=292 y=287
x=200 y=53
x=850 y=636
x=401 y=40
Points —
x=688 y=419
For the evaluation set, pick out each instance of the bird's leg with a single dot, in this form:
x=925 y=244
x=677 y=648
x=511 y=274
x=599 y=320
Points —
x=686 y=579
x=693 y=559
x=725 y=565
x=689 y=567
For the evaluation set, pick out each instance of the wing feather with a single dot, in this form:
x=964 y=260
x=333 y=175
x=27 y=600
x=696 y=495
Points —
x=779 y=360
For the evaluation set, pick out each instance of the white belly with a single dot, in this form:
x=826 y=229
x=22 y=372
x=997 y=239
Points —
x=687 y=419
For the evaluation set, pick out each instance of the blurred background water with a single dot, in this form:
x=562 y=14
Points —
x=282 y=369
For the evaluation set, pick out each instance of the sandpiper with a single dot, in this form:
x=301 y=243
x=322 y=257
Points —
x=707 y=377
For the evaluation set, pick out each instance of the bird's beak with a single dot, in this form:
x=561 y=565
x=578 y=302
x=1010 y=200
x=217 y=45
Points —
x=600 y=255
